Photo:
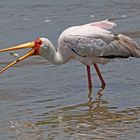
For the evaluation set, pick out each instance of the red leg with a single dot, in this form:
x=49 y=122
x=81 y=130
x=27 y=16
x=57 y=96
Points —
x=89 y=78
x=100 y=75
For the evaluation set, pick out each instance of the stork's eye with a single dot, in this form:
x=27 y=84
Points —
x=39 y=42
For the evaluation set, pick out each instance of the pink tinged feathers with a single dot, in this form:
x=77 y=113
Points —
x=105 y=24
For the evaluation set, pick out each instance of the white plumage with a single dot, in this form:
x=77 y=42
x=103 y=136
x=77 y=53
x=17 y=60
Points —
x=91 y=43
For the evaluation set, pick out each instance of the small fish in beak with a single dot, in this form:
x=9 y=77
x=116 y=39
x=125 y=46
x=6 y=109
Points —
x=14 y=54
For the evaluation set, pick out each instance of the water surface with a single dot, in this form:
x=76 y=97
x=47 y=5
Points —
x=39 y=101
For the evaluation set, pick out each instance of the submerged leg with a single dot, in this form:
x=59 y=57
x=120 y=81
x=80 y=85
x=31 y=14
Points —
x=89 y=78
x=99 y=75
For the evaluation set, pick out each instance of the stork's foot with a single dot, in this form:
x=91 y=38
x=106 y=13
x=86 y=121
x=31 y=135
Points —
x=103 y=85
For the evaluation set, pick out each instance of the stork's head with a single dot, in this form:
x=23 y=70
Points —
x=35 y=50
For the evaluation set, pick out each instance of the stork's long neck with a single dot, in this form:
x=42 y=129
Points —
x=54 y=56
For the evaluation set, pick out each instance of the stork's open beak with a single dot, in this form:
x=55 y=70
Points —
x=35 y=45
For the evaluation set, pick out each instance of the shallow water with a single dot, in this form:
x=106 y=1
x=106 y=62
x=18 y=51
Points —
x=39 y=101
